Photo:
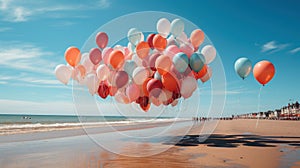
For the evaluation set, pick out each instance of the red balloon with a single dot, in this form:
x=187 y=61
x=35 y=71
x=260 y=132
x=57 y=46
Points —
x=103 y=90
x=144 y=103
x=154 y=87
x=263 y=72
x=150 y=40
x=201 y=73
x=102 y=39
x=170 y=82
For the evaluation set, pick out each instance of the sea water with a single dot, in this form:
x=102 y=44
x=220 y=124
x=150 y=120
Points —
x=10 y=122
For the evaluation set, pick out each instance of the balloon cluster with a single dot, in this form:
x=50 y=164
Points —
x=263 y=71
x=159 y=70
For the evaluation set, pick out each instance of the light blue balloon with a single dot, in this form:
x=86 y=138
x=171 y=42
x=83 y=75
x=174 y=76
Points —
x=129 y=67
x=181 y=62
x=197 y=61
x=243 y=67
x=134 y=36
x=177 y=27
x=157 y=76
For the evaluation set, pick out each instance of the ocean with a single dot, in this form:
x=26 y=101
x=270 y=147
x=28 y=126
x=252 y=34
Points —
x=22 y=123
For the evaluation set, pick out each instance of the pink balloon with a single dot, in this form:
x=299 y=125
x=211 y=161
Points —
x=120 y=79
x=95 y=56
x=152 y=60
x=171 y=51
x=101 y=39
x=105 y=54
x=187 y=48
x=188 y=86
x=102 y=72
x=133 y=92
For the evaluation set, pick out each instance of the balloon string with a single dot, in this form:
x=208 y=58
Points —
x=258 y=105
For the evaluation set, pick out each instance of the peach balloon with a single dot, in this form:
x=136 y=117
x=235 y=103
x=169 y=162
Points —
x=197 y=38
x=163 y=64
x=263 y=72
x=132 y=92
x=73 y=56
x=142 y=49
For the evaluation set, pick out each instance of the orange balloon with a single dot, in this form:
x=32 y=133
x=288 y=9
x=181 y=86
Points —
x=142 y=49
x=170 y=82
x=159 y=42
x=72 y=56
x=263 y=72
x=201 y=73
x=112 y=90
x=163 y=64
x=116 y=59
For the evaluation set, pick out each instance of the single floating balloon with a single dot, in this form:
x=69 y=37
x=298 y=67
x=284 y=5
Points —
x=102 y=72
x=133 y=92
x=72 y=56
x=120 y=79
x=243 y=67
x=140 y=74
x=263 y=72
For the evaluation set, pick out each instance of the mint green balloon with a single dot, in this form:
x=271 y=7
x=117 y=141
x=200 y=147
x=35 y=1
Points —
x=243 y=67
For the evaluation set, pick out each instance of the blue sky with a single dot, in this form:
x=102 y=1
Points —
x=34 y=36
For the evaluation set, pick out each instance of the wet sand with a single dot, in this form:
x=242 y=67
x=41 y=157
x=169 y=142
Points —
x=234 y=143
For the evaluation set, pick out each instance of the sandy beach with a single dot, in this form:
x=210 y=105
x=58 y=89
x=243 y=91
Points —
x=234 y=143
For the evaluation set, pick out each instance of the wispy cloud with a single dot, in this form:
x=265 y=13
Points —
x=273 y=46
x=21 y=11
x=4 y=29
x=295 y=50
x=25 y=57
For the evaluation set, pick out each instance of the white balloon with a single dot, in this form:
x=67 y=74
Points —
x=177 y=27
x=102 y=72
x=182 y=38
x=88 y=65
x=63 y=73
x=140 y=74
x=209 y=52
x=137 y=60
x=188 y=86
x=135 y=36
x=163 y=27
x=92 y=83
